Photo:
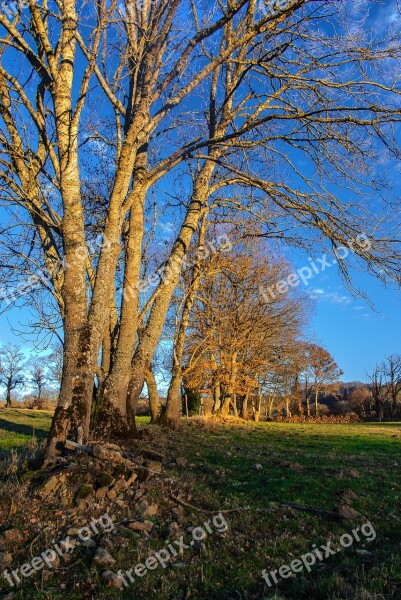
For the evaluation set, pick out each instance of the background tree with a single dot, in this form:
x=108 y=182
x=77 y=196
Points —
x=235 y=336
x=360 y=400
x=38 y=374
x=322 y=373
x=392 y=368
x=12 y=369
x=380 y=390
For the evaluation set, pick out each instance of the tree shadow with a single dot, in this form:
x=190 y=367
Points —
x=23 y=429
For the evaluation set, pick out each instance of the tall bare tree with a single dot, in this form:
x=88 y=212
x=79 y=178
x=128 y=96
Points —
x=136 y=91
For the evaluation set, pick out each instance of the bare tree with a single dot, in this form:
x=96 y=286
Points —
x=12 y=369
x=380 y=389
x=38 y=374
x=141 y=90
x=392 y=368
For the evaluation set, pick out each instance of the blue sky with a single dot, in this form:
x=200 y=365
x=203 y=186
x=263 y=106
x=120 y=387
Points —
x=356 y=334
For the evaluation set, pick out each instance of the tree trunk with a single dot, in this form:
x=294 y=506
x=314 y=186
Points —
x=154 y=400
x=216 y=397
x=151 y=333
x=8 y=397
x=244 y=406
x=316 y=402
x=171 y=413
x=225 y=408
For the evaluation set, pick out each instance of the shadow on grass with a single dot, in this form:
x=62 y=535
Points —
x=22 y=429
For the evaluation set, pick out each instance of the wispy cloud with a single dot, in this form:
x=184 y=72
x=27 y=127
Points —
x=332 y=297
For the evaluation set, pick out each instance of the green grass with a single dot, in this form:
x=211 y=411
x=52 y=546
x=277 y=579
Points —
x=310 y=465
x=20 y=426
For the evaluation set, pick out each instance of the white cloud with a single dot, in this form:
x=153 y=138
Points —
x=332 y=297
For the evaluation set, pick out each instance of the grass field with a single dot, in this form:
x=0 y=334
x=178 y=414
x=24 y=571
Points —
x=18 y=427
x=311 y=466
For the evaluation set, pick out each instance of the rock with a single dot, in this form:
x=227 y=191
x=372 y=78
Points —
x=120 y=486
x=257 y=467
x=354 y=473
x=54 y=482
x=173 y=529
x=348 y=512
x=74 y=531
x=142 y=506
x=105 y=479
x=154 y=466
x=113 y=580
x=131 y=478
x=177 y=512
x=144 y=526
x=151 y=510
x=108 y=452
x=6 y=559
x=13 y=536
x=138 y=494
x=101 y=493
x=181 y=461
x=365 y=553
x=85 y=491
x=103 y=558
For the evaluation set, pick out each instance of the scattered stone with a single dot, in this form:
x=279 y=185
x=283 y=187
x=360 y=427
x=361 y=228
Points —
x=103 y=558
x=348 y=512
x=173 y=529
x=142 y=506
x=6 y=559
x=120 y=486
x=181 y=461
x=111 y=494
x=365 y=553
x=101 y=493
x=177 y=512
x=105 y=479
x=54 y=482
x=85 y=491
x=108 y=453
x=145 y=526
x=257 y=467
x=131 y=478
x=113 y=580
x=151 y=510
x=154 y=466
x=138 y=494
x=14 y=536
